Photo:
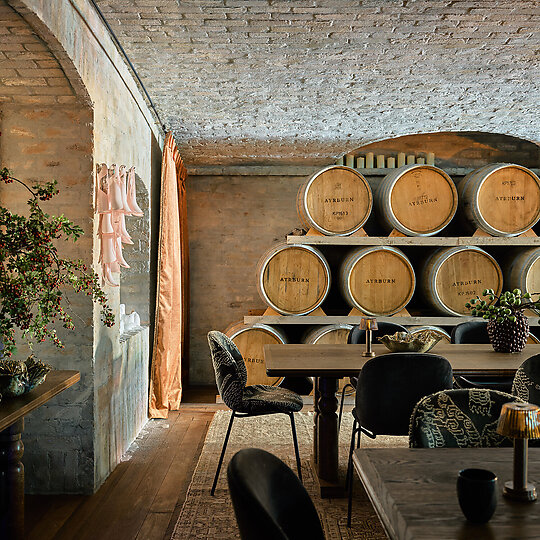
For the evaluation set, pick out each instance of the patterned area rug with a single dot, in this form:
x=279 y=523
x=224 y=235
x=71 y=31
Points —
x=207 y=517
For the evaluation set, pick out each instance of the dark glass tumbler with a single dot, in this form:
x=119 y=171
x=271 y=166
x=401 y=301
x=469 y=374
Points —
x=477 y=494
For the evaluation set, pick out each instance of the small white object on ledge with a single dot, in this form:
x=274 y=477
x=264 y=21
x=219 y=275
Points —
x=130 y=322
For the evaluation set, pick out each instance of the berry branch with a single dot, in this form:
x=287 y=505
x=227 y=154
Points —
x=33 y=276
x=503 y=307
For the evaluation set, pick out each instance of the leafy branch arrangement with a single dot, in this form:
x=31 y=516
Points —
x=33 y=277
x=502 y=308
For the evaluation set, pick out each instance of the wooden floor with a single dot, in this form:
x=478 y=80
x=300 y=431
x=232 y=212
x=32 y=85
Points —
x=143 y=496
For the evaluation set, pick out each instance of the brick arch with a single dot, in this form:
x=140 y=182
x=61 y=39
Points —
x=46 y=37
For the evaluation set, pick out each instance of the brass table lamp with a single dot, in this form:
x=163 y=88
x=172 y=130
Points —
x=368 y=324
x=520 y=422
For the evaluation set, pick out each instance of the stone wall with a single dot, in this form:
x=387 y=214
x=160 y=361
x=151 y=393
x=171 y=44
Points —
x=109 y=405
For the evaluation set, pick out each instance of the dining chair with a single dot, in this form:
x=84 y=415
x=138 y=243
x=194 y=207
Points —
x=459 y=418
x=389 y=386
x=526 y=383
x=476 y=332
x=245 y=401
x=358 y=336
x=269 y=501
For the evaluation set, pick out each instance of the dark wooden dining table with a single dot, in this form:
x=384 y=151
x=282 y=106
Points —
x=414 y=492
x=329 y=363
x=12 y=413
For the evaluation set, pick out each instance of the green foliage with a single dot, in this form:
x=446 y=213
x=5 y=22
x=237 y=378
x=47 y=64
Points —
x=503 y=307
x=33 y=277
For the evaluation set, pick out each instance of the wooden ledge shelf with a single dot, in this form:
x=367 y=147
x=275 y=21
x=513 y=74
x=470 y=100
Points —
x=415 y=240
x=440 y=320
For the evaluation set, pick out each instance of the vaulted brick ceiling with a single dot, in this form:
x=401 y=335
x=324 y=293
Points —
x=258 y=80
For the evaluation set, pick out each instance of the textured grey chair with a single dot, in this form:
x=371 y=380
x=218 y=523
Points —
x=269 y=501
x=465 y=418
x=244 y=401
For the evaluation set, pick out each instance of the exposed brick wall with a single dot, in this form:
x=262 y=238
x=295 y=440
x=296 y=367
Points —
x=124 y=132
x=29 y=72
x=64 y=105
x=277 y=79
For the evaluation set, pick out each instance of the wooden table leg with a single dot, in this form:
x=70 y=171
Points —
x=327 y=431
x=12 y=482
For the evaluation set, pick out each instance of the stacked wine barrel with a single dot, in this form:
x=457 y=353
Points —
x=414 y=200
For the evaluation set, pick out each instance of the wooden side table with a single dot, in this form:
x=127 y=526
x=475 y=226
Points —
x=12 y=412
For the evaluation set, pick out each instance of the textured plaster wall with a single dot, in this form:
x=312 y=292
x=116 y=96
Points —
x=254 y=80
x=123 y=132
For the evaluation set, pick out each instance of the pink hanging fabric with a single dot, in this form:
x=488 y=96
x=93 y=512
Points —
x=115 y=199
x=168 y=349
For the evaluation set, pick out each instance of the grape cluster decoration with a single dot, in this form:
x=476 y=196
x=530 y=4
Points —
x=34 y=277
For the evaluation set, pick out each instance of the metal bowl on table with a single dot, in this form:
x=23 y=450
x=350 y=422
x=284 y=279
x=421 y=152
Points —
x=420 y=342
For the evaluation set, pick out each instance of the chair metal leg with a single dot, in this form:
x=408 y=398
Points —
x=349 y=479
x=222 y=454
x=295 y=441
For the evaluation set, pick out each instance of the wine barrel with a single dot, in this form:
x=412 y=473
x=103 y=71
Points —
x=335 y=201
x=331 y=334
x=452 y=276
x=501 y=199
x=445 y=336
x=522 y=271
x=377 y=280
x=416 y=200
x=293 y=279
x=250 y=340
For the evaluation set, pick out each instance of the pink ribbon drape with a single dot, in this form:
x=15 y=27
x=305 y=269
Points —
x=172 y=287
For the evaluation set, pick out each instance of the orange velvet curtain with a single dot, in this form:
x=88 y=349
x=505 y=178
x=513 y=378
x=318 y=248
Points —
x=172 y=301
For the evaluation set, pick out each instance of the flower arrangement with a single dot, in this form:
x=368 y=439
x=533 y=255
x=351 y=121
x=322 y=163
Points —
x=33 y=276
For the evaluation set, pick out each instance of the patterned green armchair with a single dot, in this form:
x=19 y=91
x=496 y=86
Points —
x=459 y=419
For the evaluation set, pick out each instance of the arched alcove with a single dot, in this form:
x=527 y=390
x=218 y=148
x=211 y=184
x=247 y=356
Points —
x=460 y=148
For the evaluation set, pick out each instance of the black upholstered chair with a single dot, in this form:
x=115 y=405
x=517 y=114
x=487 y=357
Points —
x=526 y=383
x=244 y=401
x=465 y=418
x=269 y=501
x=389 y=386
x=357 y=336
x=476 y=332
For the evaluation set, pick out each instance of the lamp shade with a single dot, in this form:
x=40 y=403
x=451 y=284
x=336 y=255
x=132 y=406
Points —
x=368 y=323
x=519 y=421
